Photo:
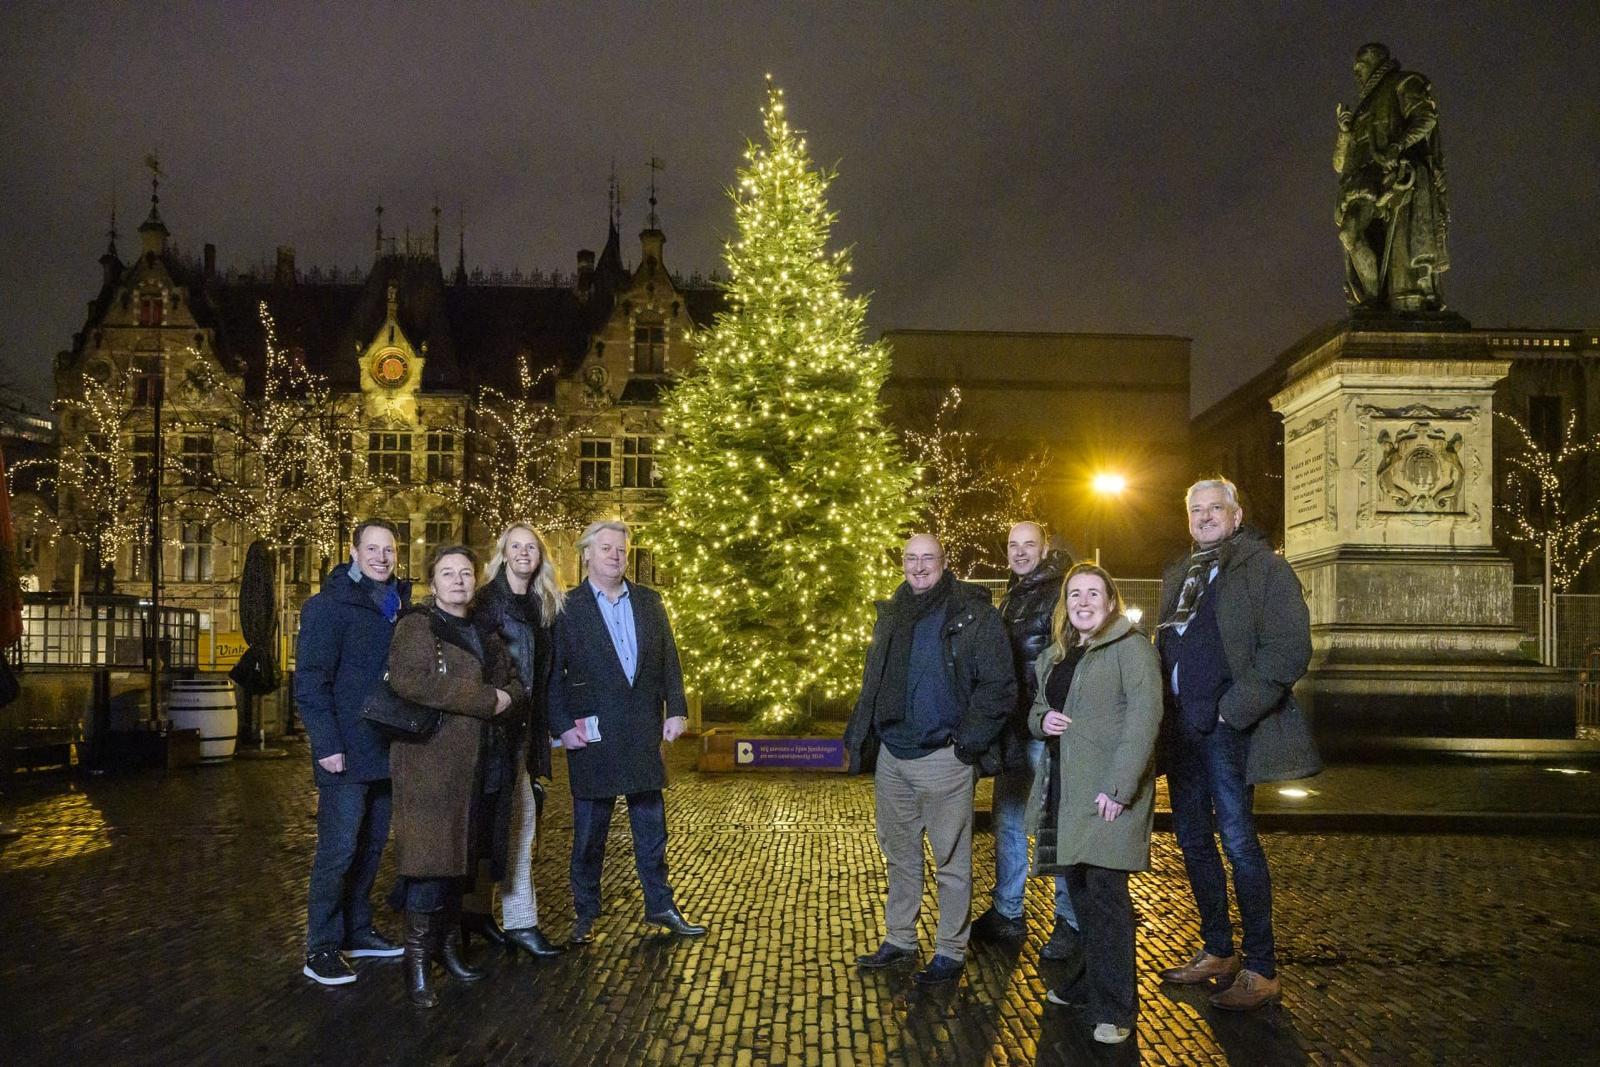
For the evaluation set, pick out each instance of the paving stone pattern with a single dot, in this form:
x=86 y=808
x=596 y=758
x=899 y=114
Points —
x=159 y=920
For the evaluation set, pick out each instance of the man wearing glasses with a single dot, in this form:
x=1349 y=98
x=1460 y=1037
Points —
x=935 y=697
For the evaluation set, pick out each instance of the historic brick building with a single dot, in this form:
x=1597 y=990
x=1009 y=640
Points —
x=406 y=345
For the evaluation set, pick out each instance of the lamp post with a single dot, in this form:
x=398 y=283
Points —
x=1107 y=486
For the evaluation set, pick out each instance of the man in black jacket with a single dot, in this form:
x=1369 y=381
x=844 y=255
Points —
x=1027 y=610
x=936 y=694
x=616 y=693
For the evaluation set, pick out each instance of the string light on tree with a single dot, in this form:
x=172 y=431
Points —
x=519 y=460
x=1547 y=485
x=786 y=493
x=279 y=463
x=969 y=497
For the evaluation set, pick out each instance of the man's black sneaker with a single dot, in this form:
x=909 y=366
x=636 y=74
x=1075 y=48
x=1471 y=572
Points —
x=887 y=953
x=370 y=943
x=992 y=926
x=328 y=967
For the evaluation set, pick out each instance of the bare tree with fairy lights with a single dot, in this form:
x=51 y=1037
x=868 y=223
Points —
x=520 y=460
x=969 y=496
x=1553 y=507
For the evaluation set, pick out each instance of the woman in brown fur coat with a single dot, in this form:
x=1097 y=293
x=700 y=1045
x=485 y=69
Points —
x=445 y=787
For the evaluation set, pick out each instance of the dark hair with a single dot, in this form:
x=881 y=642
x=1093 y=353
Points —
x=450 y=550
x=366 y=524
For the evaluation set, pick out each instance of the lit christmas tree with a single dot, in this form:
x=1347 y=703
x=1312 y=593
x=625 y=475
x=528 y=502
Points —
x=787 y=495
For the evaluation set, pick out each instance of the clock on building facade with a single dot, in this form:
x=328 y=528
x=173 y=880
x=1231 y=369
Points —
x=390 y=368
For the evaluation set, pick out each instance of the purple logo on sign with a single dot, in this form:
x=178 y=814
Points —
x=822 y=753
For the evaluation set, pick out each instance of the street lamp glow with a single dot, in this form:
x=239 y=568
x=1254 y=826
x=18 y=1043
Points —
x=1109 y=484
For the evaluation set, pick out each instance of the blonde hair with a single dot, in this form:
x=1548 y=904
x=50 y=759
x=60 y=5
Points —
x=594 y=529
x=544 y=584
x=1058 y=621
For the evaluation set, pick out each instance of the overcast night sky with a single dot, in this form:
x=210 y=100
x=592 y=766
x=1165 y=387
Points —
x=1075 y=167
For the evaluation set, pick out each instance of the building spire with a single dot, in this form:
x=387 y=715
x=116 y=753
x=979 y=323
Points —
x=436 y=225
x=153 y=161
x=111 y=234
x=153 y=232
x=377 y=247
x=460 y=277
x=614 y=200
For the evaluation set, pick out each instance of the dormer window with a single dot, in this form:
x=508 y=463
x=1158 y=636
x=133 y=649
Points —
x=649 y=349
x=150 y=310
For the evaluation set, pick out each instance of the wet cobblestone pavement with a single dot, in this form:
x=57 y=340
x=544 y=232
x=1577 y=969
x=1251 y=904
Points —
x=159 y=919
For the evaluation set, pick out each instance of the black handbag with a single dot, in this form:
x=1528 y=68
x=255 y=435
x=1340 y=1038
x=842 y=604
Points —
x=396 y=717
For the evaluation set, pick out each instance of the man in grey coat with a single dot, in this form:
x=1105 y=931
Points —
x=1234 y=637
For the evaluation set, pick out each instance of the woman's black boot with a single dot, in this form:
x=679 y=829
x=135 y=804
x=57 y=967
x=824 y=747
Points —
x=418 y=969
x=484 y=926
x=450 y=949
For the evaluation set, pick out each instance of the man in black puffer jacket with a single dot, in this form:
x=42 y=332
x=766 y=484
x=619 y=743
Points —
x=1027 y=610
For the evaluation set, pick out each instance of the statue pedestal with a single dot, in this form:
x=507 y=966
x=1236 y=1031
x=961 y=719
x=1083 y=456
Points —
x=1389 y=522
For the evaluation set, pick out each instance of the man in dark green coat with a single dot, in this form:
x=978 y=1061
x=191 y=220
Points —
x=1234 y=637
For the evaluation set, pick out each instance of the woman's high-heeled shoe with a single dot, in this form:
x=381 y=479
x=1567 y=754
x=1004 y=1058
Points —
x=532 y=941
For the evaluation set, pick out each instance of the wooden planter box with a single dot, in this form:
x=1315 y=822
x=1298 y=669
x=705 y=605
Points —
x=729 y=748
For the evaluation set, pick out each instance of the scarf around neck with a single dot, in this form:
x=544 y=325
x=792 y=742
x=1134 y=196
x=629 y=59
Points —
x=1198 y=579
x=905 y=610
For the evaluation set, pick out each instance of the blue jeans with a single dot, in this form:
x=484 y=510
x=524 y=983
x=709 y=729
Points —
x=1011 y=789
x=591 y=824
x=1206 y=778
x=352 y=828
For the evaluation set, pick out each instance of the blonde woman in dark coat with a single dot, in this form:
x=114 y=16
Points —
x=444 y=786
x=1099 y=709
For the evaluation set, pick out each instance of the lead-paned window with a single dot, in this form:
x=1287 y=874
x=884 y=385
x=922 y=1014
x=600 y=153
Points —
x=639 y=462
x=594 y=463
x=389 y=456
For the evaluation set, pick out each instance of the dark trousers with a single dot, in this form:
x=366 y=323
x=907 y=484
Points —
x=1206 y=777
x=591 y=823
x=352 y=828
x=1105 y=922
x=430 y=894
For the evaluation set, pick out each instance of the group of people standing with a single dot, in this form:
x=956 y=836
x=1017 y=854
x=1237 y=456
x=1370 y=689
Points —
x=1075 y=711
x=1057 y=694
x=508 y=664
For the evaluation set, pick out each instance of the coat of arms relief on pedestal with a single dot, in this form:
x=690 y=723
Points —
x=1418 y=463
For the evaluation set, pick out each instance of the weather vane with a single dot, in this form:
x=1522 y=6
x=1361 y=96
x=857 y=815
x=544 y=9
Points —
x=656 y=164
x=153 y=161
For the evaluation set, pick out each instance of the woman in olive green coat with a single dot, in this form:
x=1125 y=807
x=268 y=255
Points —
x=1099 y=709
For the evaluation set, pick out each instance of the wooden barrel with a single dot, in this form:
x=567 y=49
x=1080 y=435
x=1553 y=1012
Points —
x=206 y=704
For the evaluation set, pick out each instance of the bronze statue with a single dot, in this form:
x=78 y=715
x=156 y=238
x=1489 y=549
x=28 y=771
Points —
x=1393 y=210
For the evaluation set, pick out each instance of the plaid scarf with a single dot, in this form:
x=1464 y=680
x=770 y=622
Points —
x=1194 y=585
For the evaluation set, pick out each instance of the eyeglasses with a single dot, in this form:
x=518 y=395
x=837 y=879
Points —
x=922 y=559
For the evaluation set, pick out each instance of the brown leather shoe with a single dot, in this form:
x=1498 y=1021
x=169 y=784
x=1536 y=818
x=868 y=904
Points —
x=1203 y=967
x=1248 y=991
